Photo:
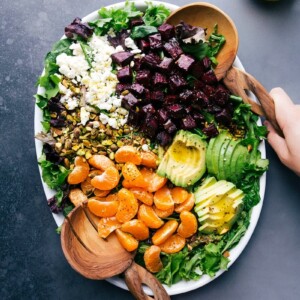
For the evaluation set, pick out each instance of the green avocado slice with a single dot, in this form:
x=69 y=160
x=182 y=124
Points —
x=224 y=156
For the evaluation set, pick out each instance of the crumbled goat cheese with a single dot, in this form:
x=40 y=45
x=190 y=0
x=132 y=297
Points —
x=145 y=147
x=84 y=115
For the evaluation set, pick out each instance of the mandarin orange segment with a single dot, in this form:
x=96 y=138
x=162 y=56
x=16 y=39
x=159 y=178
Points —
x=138 y=183
x=108 y=180
x=94 y=173
x=130 y=171
x=179 y=194
x=163 y=199
x=86 y=186
x=187 y=205
x=149 y=159
x=77 y=196
x=107 y=225
x=149 y=217
x=128 y=154
x=103 y=208
x=137 y=228
x=112 y=197
x=80 y=171
x=173 y=244
x=153 y=180
x=163 y=213
x=127 y=241
x=142 y=195
x=163 y=233
x=101 y=162
x=128 y=206
x=152 y=259
x=188 y=225
x=100 y=193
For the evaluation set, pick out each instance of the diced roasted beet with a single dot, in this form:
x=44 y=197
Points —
x=135 y=117
x=121 y=87
x=157 y=96
x=163 y=138
x=151 y=60
x=119 y=38
x=155 y=41
x=159 y=80
x=206 y=62
x=221 y=96
x=147 y=96
x=143 y=77
x=51 y=154
x=198 y=117
x=137 y=63
x=129 y=101
x=136 y=22
x=122 y=58
x=137 y=89
x=208 y=90
x=58 y=123
x=170 y=127
x=223 y=117
x=189 y=109
x=124 y=75
x=184 y=30
x=144 y=45
x=214 y=109
x=148 y=109
x=78 y=28
x=170 y=99
x=167 y=31
x=185 y=62
x=166 y=64
x=54 y=105
x=176 y=111
x=197 y=69
x=162 y=115
x=173 y=48
x=210 y=130
x=188 y=123
x=199 y=85
x=202 y=99
x=177 y=82
x=209 y=77
x=150 y=126
x=187 y=96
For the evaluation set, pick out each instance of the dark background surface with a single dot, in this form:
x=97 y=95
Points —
x=32 y=265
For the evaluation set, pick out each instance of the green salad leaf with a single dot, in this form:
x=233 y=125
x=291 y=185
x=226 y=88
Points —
x=141 y=31
x=42 y=102
x=155 y=15
x=53 y=175
x=116 y=19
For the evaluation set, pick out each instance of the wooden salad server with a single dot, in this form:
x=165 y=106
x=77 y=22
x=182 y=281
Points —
x=97 y=258
x=238 y=82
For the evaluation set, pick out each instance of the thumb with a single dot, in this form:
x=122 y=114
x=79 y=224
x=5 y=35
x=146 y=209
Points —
x=277 y=143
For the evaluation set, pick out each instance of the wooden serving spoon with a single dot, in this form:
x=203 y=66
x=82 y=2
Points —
x=97 y=258
x=238 y=82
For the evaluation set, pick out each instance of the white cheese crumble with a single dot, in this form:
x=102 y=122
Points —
x=145 y=147
x=84 y=115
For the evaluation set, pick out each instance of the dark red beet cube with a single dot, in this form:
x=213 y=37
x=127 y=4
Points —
x=157 y=96
x=185 y=62
x=166 y=64
x=147 y=96
x=129 y=101
x=209 y=77
x=202 y=99
x=223 y=117
x=173 y=48
x=197 y=69
x=177 y=82
x=170 y=99
x=198 y=117
x=210 y=130
x=144 y=45
x=149 y=109
x=199 y=85
x=155 y=41
x=137 y=89
x=206 y=62
x=187 y=96
x=188 y=123
x=136 y=22
x=209 y=91
x=163 y=138
x=121 y=87
x=124 y=75
x=176 y=111
x=122 y=58
x=137 y=62
x=135 y=117
x=151 y=60
x=159 y=80
x=150 y=126
x=167 y=31
x=221 y=96
x=162 y=115
x=143 y=77
x=170 y=127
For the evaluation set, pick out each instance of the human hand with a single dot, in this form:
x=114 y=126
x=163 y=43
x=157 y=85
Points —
x=288 y=118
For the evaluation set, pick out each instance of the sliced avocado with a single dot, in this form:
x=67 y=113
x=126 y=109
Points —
x=230 y=166
x=228 y=156
x=184 y=161
x=241 y=162
x=223 y=156
x=209 y=153
x=217 y=205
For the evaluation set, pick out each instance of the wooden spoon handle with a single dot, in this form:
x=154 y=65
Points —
x=135 y=276
x=239 y=81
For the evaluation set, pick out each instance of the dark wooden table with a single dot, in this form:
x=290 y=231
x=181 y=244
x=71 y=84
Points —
x=32 y=265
